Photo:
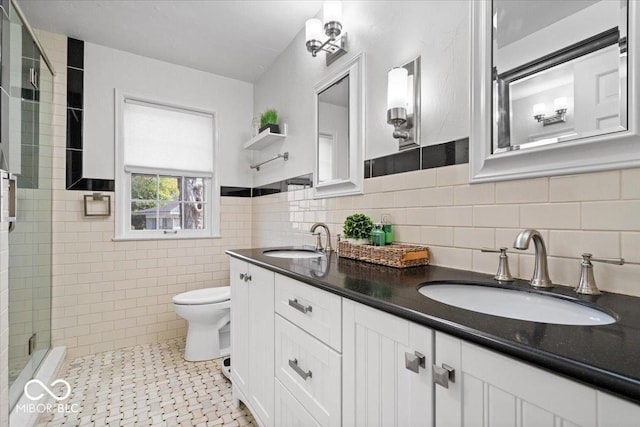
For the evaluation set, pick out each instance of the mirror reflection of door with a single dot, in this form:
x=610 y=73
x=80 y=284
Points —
x=559 y=71
x=333 y=132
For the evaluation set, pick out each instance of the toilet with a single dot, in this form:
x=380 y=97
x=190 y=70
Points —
x=207 y=312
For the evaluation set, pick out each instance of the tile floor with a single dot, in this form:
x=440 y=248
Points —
x=146 y=385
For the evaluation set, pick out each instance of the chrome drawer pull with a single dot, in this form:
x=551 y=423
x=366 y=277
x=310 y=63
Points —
x=415 y=361
x=295 y=304
x=293 y=364
x=442 y=376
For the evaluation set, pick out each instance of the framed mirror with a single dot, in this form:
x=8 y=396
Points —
x=554 y=88
x=339 y=132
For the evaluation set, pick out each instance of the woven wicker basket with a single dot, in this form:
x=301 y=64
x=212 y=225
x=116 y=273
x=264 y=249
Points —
x=396 y=255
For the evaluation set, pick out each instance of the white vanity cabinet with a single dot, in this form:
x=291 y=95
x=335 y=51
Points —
x=493 y=390
x=302 y=356
x=378 y=389
x=252 y=339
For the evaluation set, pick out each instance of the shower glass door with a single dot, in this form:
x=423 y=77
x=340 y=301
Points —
x=31 y=159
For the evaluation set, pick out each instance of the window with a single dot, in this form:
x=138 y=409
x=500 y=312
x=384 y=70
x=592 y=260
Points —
x=165 y=175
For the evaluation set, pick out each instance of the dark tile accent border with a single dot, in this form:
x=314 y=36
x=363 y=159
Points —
x=447 y=154
x=75 y=102
x=290 y=184
x=235 y=191
x=404 y=161
x=432 y=156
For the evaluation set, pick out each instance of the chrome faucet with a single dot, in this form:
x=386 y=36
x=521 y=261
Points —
x=540 y=277
x=328 y=247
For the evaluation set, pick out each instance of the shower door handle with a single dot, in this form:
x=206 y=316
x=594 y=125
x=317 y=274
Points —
x=13 y=201
x=10 y=198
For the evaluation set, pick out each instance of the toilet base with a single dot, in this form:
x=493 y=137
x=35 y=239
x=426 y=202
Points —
x=203 y=343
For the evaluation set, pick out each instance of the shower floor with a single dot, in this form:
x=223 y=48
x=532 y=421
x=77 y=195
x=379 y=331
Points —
x=146 y=385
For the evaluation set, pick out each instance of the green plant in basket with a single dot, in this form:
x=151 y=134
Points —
x=269 y=117
x=357 y=226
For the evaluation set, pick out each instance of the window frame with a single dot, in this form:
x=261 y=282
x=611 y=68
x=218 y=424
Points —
x=211 y=220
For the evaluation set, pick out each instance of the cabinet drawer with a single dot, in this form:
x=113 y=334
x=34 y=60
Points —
x=289 y=412
x=316 y=311
x=310 y=370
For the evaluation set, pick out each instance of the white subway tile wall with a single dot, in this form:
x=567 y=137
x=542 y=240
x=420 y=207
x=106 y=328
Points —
x=456 y=219
x=109 y=295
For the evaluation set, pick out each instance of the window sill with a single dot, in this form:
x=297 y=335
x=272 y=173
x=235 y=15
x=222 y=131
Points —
x=160 y=238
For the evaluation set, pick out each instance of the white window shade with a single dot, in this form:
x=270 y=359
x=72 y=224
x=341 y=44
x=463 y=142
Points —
x=166 y=138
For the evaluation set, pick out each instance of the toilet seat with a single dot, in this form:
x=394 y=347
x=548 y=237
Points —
x=203 y=296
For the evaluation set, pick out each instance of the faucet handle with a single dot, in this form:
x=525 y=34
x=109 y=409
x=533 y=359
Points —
x=319 y=247
x=617 y=261
x=587 y=284
x=503 y=274
x=492 y=250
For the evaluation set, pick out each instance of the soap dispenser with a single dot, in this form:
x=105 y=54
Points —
x=377 y=235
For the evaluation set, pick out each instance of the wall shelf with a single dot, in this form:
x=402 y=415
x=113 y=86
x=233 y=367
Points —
x=265 y=138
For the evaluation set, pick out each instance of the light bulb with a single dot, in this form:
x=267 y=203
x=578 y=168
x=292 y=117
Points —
x=397 y=88
x=332 y=11
x=538 y=110
x=560 y=103
x=313 y=30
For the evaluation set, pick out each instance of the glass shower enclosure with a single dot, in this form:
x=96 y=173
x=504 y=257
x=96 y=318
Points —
x=27 y=152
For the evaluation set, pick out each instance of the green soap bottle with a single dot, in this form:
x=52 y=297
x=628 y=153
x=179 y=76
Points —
x=386 y=227
x=377 y=235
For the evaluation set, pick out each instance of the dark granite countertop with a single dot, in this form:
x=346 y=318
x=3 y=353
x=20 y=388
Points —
x=607 y=356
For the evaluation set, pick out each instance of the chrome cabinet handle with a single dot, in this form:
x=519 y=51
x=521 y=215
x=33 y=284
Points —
x=442 y=375
x=301 y=308
x=415 y=361
x=293 y=364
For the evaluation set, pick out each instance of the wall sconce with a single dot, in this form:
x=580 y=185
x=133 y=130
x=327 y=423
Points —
x=560 y=107
x=403 y=104
x=336 y=45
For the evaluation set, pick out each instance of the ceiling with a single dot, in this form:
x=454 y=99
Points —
x=237 y=39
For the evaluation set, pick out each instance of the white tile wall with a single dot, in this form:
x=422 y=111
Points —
x=107 y=294
x=456 y=219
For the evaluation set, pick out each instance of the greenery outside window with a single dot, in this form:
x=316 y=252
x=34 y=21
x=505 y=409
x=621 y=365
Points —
x=167 y=202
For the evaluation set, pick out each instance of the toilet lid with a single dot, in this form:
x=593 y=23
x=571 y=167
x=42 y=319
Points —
x=204 y=296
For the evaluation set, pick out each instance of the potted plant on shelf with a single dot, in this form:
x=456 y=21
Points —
x=269 y=120
x=357 y=229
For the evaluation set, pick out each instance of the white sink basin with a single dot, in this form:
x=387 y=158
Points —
x=292 y=253
x=516 y=304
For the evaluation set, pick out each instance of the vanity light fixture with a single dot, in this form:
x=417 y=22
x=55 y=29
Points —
x=403 y=104
x=336 y=44
x=560 y=107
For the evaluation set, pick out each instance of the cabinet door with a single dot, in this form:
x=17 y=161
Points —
x=378 y=390
x=494 y=390
x=289 y=412
x=239 y=325
x=615 y=412
x=261 y=343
